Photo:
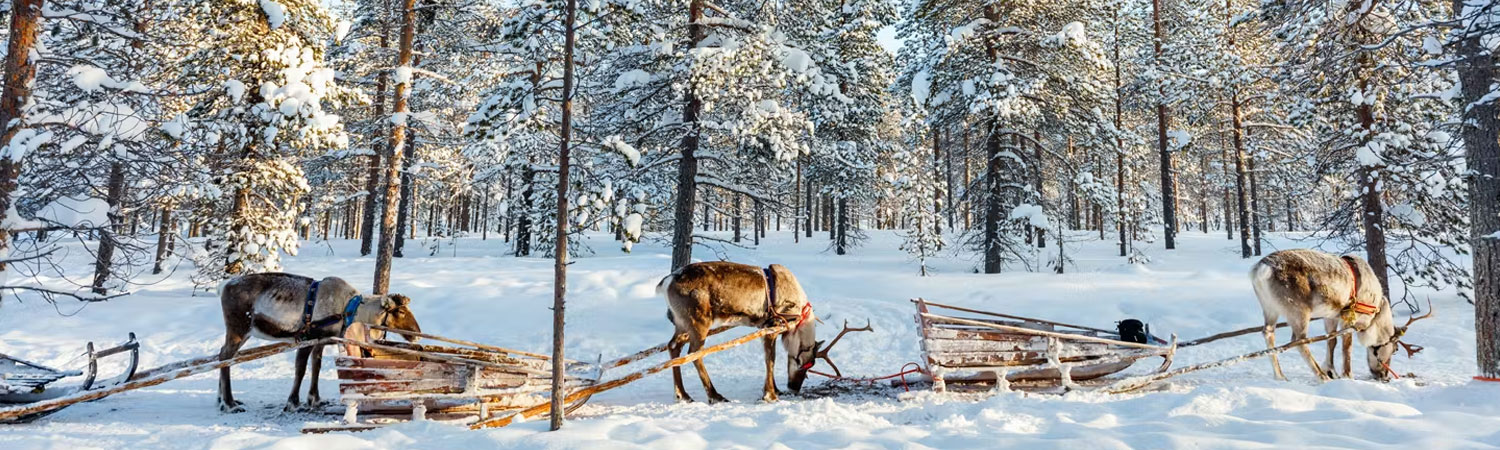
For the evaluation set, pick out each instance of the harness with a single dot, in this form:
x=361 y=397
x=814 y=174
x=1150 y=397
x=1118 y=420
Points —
x=308 y=324
x=773 y=316
x=1351 y=313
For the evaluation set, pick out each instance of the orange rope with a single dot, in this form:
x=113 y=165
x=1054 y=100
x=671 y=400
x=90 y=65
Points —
x=1489 y=379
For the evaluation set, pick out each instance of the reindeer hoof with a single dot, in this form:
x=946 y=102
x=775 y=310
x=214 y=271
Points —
x=716 y=398
x=769 y=398
x=684 y=399
x=231 y=407
x=291 y=407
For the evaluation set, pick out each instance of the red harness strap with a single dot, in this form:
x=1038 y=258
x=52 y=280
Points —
x=802 y=316
x=1358 y=306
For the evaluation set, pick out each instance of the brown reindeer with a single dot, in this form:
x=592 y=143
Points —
x=1303 y=284
x=707 y=294
x=274 y=306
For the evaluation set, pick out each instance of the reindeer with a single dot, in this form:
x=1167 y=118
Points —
x=285 y=307
x=707 y=294
x=1303 y=284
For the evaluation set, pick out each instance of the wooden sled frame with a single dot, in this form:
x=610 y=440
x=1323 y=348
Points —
x=33 y=379
x=461 y=382
x=1006 y=351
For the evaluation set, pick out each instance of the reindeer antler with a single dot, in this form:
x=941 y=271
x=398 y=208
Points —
x=1424 y=316
x=1412 y=349
x=822 y=352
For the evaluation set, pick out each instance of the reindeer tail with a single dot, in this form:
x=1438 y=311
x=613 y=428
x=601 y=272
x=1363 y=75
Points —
x=661 y=287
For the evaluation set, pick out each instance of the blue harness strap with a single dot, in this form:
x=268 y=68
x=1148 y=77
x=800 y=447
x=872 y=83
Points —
x=307 y=307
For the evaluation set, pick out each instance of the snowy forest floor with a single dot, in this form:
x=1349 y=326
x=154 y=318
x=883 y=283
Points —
x=471 y=291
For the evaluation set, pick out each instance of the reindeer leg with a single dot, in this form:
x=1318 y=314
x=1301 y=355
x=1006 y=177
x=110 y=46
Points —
x=1299 y=332
x=674 y=348
x=770 y=390
x=300 y=369
x=695 y=343
x=1331 y=326
x=1270 y=332
x=314 y=400
x=232 y=342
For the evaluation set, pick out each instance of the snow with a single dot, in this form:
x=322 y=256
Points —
x=619 y=145
x=632 y=79
x=90 y=78
x=75 y=212
x=235 y=89
x=476 y=293
x=1033 y=215
x=797 y=60
x=1180 y=139
x=402 y=75
x=341 y=30
x=275 y=13
x=921 y=86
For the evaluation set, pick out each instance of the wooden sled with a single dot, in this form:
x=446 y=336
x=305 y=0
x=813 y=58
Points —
x=972 y=350
x=458 y=382
x=24 y=383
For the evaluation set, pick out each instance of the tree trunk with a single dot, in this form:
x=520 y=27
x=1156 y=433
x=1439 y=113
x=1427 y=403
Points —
x=992 y=205
x=1168 y=178
x=164 y=237
x=841 y=245
x=393 y=159
x=523 y=218
x=735 y=222
x=560 y=260
x=937 y=197
x=1041 y=196
x=687 y=166
x=796 y=206
x=1119 y=143
x=372 y=175
x=1481 y=138
x=105 y=257
x=1240 y=175
x=20 y=70
x=1254 y=204
x=406 y=217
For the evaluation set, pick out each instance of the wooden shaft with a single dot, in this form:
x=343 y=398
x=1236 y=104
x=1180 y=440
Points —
x=1227 y=334
x=159 y=375
x=657 y=349
x=611 y=384
x=463 y=342
x=1008 y=316
x=1075 y=337
x=1131 y=384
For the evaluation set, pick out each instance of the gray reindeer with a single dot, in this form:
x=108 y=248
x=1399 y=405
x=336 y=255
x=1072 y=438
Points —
x=284 y=307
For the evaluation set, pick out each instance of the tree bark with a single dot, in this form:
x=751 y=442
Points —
x=393 y=160
x=405 y=217
x=1481 y=138
x=164 y=237
x=372 y=174
x=1168 y=178
x=115 y=197
x=19 y=72
x=1240 y=175
x=841 y=245
x=1119 y=143
x=1041 y=196
x=560 y=260
x=687 y=166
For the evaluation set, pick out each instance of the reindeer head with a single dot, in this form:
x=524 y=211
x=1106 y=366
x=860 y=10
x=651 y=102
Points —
x=396 y=313
x=1378 y=356
x=801 y=346
x=820 y=351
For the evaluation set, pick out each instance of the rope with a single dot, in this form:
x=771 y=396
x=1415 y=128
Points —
x=916 y=368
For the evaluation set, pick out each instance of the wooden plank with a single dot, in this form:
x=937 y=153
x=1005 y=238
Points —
x=1074 y=337
x=159 y=375
x=974 y=333
x=1226 y=335
x=611 y=384
x=401 y=386
x=1035 y=344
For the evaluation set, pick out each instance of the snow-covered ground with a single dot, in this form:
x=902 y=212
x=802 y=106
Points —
x=470 y=290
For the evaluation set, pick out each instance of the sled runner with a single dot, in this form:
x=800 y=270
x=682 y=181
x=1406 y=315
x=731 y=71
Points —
x=24 y=383
x=968 y=350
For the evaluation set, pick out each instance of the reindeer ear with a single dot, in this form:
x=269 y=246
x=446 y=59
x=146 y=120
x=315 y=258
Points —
x=401 y=300
x=387 y=303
